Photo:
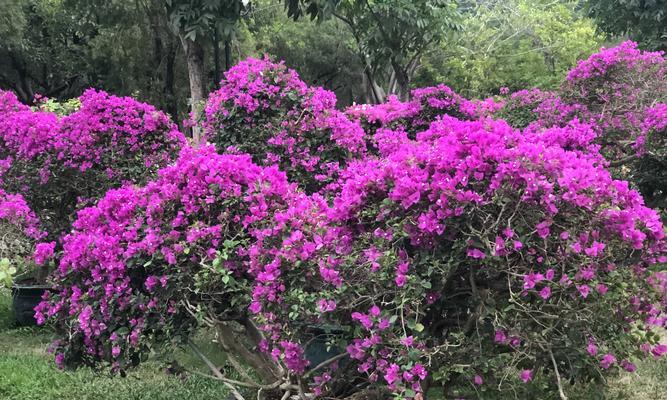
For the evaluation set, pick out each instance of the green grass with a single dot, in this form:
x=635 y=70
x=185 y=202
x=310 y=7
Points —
x=27 y=372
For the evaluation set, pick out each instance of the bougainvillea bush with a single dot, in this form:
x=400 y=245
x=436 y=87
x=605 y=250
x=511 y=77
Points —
x=264 y=109
x=620 y=92
x=20 y=234
x=55 y=161
x=450 y=252
x=472 y=252
x=143 y=262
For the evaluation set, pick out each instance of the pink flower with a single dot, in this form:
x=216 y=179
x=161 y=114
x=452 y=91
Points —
x=151 y=282
x=628 y=366
x=500 y=337
x=60 y=360
x=255 y=307
x=607 y=361
x=584 y=290
x=602 y=288
x=531 y=279
x=526 y=375
x=364 y=319
x=392 y=374
x=326 y=305
x=550 y=274
x=543 y=229
x=374 y=311
x=478 y=380
x=420 y=371
x=659 y=350
x=596 y=249
x=44 y=252
x=401 y=280
x=545 y=293
x=591 y=348
x=476 y=253
x=384 y=324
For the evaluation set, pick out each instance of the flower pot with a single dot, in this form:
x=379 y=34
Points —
x=316 y=350
x=25 y=297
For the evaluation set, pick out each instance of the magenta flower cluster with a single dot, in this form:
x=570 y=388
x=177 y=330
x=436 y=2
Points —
x=137 y=248
x=420 y=236
x=264 y=109
x=55 y=162
x=15 y=211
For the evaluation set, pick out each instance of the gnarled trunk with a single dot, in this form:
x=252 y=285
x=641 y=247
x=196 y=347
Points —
x=194 y=54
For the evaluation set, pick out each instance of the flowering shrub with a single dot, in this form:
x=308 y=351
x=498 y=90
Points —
x=617 y=80
x=57 y=162
x=20 y=231
x=427 y=104
x=145 y=263
x=449 y=250
x=469 y=246
x=526 y=107
x=472 y=242
x=264 y=109
x=614 y=91
x=617 y=86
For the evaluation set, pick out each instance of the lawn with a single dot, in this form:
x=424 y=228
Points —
x=27 y=372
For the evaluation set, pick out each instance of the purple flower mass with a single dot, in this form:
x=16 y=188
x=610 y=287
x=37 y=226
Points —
x=387 y=226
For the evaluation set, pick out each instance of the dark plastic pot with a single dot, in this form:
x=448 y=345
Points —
x=316 y=350
x=25 y=298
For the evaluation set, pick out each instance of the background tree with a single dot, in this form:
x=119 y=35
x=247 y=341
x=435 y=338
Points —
x=512 y=43
x=323 y=52
x=643 y=21
x=43 y=49
x=58 y=48
x=393 y=35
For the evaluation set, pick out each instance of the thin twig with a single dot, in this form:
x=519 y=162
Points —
x=205 y=359
x=325 y=363
x=560 y=385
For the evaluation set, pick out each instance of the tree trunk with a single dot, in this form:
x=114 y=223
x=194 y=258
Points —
x=216 y=56
x=402 y=81
x=262 y=364
x=169 y=80
x=23 y=87
x=194 y=54
x=228 y=55
x=374 y=91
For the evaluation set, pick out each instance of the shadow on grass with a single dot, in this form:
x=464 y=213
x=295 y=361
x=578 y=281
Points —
x=27 y=372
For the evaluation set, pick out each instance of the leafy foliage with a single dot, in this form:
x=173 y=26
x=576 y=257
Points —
x=51 y=165
x=392 y=36
x=644 y=21
x=516 y=44
x=455 y=251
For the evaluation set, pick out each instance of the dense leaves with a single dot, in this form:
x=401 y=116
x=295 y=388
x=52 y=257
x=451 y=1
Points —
x=449 y=249
x=644 y=21
x=264 y=109
x=57 y=163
